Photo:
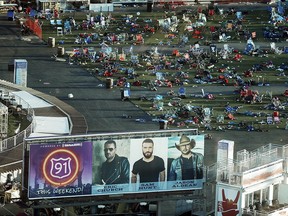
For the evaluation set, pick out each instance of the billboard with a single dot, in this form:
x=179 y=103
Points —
x=60 y=170
x=111 y=166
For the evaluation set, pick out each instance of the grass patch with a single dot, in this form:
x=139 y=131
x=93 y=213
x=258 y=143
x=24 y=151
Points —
x=143 y=72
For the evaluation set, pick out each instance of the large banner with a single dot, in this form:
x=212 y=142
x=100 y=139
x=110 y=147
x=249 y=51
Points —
x=60 y=170
x=119 y=166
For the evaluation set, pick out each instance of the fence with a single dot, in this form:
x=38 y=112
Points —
x=13 y=141
x=232 y=170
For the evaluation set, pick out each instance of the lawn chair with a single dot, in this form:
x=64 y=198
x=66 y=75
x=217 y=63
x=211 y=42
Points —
x=59 y=31
x=121 y=37
x=230 y=116
x=197 y=34
x=59 y=22
x=182 y=92
x=276 y=119
x=229 y=26
x=125 y=94
x=52 y=22
x=207 y=113
x=275 y=49
x=67 y=27
x=139 y=39
x=249 y=49
x=85 y=25
x=92 y=54
x=134 y=59
x=220 y=119
x=239 y=15
x=211 y=12
x=269 y=120
x=122 y=57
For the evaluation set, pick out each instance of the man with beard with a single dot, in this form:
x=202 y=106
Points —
x=150 y=168
x=189 y=165
x=116 y=169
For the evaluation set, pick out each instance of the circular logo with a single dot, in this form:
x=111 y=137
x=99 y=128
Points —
x=60 y=167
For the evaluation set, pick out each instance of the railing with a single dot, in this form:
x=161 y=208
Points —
x=278 y=209
x=13 y=141
x=263 y=155
x=231 y=171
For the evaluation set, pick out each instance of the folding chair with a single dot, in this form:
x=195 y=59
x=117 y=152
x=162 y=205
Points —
x=272 y=46
x=52 y=22
x=230 y=116
x=122 y=57
x=139 y=39
x=59 y=22
x=85 y=51
x=197 y=34
x=213 y=29
x=125 y=94
x=229 y=26
x=182 y=92
x=59 y=31
x=239 y=15
x=134 y=59
x=211 y=12
x=91 y=52
x=253 y=35
x=67 y=27
x=276 y=119
x=220 y=119
x=269 y=120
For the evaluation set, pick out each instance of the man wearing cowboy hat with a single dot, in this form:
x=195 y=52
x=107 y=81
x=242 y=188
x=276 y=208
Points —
x=189 y=165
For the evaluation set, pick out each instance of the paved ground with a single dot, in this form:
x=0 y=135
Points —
x=102 y=108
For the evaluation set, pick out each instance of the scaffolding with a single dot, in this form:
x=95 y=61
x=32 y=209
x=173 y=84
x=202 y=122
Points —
x=4 y=121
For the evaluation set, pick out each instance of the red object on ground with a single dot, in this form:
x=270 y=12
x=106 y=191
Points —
x=230 y=116
x=211 y=12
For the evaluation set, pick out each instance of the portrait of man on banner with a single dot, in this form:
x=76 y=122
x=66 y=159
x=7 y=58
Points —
x=115 y=169
x=186 y=161
x=148 y=163
x=111 y=166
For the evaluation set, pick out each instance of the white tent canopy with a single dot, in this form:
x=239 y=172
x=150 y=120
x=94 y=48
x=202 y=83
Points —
x=50 y=126
x=33 y=101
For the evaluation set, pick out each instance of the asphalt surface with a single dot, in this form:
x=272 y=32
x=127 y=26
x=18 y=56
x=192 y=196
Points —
x=103 y=108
